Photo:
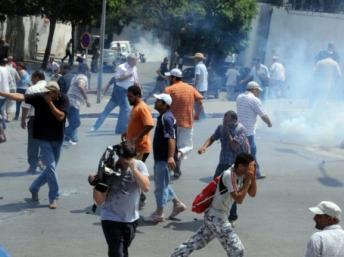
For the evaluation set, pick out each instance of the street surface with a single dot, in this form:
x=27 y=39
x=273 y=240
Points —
x=276 y=223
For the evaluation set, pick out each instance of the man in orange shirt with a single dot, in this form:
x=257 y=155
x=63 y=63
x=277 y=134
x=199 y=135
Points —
x=139 y=125
x=184 y=96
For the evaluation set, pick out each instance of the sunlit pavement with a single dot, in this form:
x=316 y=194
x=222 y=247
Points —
x=300 y=173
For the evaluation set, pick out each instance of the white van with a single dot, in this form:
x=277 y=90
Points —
x=123 y=47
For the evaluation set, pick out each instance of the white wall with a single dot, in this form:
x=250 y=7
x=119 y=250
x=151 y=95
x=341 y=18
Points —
x=61 y=37
x=302 y=35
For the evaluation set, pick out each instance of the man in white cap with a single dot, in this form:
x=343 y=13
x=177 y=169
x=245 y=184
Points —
x=248 y=108
x=184 y=96
x=48 y=128
x=201 y=74
x=164 y=145
x=329 y=242
x=126 y=75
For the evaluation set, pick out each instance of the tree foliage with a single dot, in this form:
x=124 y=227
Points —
x=215 y=27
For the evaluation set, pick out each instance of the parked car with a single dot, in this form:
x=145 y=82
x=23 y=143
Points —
x=214 y=81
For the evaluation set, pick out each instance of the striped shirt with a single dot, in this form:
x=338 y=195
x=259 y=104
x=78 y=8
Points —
x=248 y=108
x=183 y=98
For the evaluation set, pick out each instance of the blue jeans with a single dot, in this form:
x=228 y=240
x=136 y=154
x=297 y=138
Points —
x=18 y=104
x=73 y=117
x=118 y=98
x=163 y=191
x=32 y=146
x=50 y=154
x=254 y=151
x=2 y=119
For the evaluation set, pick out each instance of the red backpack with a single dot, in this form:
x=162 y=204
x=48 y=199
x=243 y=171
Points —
x=203 y=200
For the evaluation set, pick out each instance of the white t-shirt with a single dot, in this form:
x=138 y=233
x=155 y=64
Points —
x=53 y=66
x=4 y=80
x=221 y=204
x=326 y=243
x=34 y=89
x=201 y=71
x=277 y=71
x=248 y=108
x=123 y=70
x=13 y=76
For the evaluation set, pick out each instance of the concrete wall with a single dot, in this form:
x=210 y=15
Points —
x=33 y=25
x=301 y=35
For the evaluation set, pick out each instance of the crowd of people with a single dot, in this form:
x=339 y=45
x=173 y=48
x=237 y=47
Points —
x=48 y=104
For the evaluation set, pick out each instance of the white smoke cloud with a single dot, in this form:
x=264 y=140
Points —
x=153 y=50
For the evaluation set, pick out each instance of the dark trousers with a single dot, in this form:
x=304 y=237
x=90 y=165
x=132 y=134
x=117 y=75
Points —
x=221 y=167
x=18 y=104
x=32 y=146
x=253 y=148
x=119 y=236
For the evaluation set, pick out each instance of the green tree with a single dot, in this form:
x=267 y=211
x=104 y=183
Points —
x=215 y=27
x=73 y=11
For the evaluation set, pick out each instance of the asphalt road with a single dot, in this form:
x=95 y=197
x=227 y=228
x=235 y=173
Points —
x=276 y=223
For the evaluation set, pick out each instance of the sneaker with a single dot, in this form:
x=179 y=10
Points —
x=177 y=209
x=53 y=205
x=31 y=170
x=34 y=196
x=155 y=218
x=261 y=176
x=72 y=142
x=92 y=129
x=69 y=142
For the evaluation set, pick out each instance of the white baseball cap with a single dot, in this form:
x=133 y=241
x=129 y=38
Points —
x=175 y=73
x=51 y=86
x=329 y=208
x=253 y=85
x=164 y=97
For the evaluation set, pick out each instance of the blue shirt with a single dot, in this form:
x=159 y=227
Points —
x=165 y=130
x=238 y=133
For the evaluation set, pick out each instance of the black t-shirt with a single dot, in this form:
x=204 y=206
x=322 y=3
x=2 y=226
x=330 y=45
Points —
x=45 y=125
x=163 y=70
x=165 y=130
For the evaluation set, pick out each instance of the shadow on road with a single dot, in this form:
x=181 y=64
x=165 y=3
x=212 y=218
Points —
x=192 y=226
x=15 y=174
x=327 y=180
x=206 y=179
x=19 y=207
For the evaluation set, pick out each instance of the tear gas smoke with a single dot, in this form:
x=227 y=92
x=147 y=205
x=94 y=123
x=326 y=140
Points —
x=153 y=50
x=312 y=113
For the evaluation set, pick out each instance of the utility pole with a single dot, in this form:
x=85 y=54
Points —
x=102 y=36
